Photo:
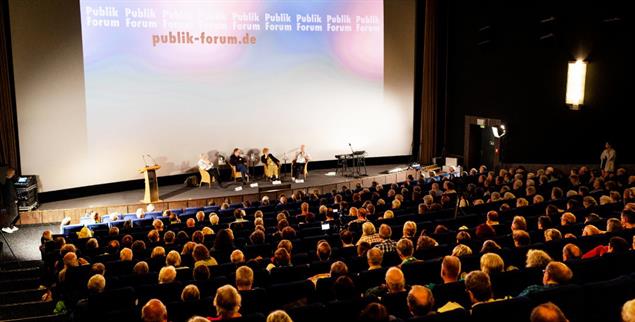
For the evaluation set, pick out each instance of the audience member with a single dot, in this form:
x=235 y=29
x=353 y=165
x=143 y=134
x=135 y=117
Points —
x=420 y=301
x=547 y=312
x=279 y=316
x=227 y=303
x=556 y=273
x=154 y=311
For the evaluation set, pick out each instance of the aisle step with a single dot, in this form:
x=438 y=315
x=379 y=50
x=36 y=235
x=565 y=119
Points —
x=21 y=296
x=19 y=284
x=44 y=318
x=19 y=273
x=27 y=309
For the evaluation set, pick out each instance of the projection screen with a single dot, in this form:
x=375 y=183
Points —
x=99 y=83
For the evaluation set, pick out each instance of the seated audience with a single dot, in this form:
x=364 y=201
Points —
x=537 y=258
x=375 y=257
x=547 y=312
x=244 y=278
x=279 y=316
x=570 y=252
x=556 y=273
x=190 y=293
x=420 y=301
x=369 y=235
x=227 y=303
x=387 y=245
x=405 y=250
x=628 y=311
x=492 y=263
x=154 y=311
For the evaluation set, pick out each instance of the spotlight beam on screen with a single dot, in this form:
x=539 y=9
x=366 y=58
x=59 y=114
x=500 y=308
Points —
x=174 y=79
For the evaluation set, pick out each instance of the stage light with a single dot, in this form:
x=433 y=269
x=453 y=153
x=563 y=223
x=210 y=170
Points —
x=576 y=78
x=499 y=131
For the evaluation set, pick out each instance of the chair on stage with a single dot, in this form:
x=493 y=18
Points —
x=235 y=174
x=205 y=178
x=305 y=172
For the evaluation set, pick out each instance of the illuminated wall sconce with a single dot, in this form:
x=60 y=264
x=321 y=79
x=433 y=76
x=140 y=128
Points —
x=575 y=84
x=499 y=131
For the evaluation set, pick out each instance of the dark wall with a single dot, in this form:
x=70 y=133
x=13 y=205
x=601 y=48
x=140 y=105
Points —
x=507 y=72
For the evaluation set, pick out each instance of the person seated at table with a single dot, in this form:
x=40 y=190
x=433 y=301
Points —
x=299 y=161
x=271 y=163
x=205 y=164
x=238 y=161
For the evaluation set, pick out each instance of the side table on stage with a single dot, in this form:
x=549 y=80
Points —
x=152 y=184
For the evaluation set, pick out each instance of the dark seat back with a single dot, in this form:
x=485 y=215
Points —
x=515 y=309
x=568 y=298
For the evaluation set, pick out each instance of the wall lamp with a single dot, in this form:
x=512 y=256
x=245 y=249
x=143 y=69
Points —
x=576 y=78
x=499 y=131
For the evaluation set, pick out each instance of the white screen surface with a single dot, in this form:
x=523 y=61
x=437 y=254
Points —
x=144 y=92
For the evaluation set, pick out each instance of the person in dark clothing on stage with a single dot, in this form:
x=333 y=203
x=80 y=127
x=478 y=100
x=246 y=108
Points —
x=9 y=201
x=238 y=162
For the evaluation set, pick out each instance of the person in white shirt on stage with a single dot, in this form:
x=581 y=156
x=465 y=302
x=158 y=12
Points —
x=299 y=161
x=205 y=164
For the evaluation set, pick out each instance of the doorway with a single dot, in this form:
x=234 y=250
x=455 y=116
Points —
x=481 y=147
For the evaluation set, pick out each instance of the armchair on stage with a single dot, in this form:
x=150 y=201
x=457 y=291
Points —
x=152 y=185
x=304 y=173
x=205 y=178
x=235 y=174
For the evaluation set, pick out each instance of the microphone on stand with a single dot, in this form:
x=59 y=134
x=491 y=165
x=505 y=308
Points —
x=151 y=158
x=350 y=146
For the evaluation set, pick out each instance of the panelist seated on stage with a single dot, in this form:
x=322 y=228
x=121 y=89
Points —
x=205 y=164
x=238 y=162
x=271 y=164
x=299 y=163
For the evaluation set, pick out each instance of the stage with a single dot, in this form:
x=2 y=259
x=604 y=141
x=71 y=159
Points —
x=181 y=196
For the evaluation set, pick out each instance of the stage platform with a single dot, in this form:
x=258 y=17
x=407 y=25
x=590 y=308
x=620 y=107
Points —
x=181 y=196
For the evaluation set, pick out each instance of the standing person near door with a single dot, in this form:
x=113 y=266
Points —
x=9 y=202
x=607 y=159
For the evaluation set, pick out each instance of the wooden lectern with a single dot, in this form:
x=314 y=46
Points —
x=152 y=185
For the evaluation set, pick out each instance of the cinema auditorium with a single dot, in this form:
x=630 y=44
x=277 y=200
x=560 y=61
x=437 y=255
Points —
x=317 y=160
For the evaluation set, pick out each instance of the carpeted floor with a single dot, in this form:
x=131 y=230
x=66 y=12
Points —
x=24 y=242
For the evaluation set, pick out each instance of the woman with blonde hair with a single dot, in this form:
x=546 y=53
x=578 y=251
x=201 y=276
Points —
x=279 y=316
x=537 y=258
x=461 y=250
x=227 y=302
x=369 y=234
x=173 y=259
x=271 y=164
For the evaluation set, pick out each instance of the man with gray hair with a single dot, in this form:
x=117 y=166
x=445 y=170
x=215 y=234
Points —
x=479 y=287
x=375 y=257
x=556 y=273
x=244 y=278
x=547 y=312
x=420 y=301
x=387 y=245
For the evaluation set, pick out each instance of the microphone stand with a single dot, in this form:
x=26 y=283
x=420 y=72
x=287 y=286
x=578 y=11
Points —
x=285 y=158
x=356 y=171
